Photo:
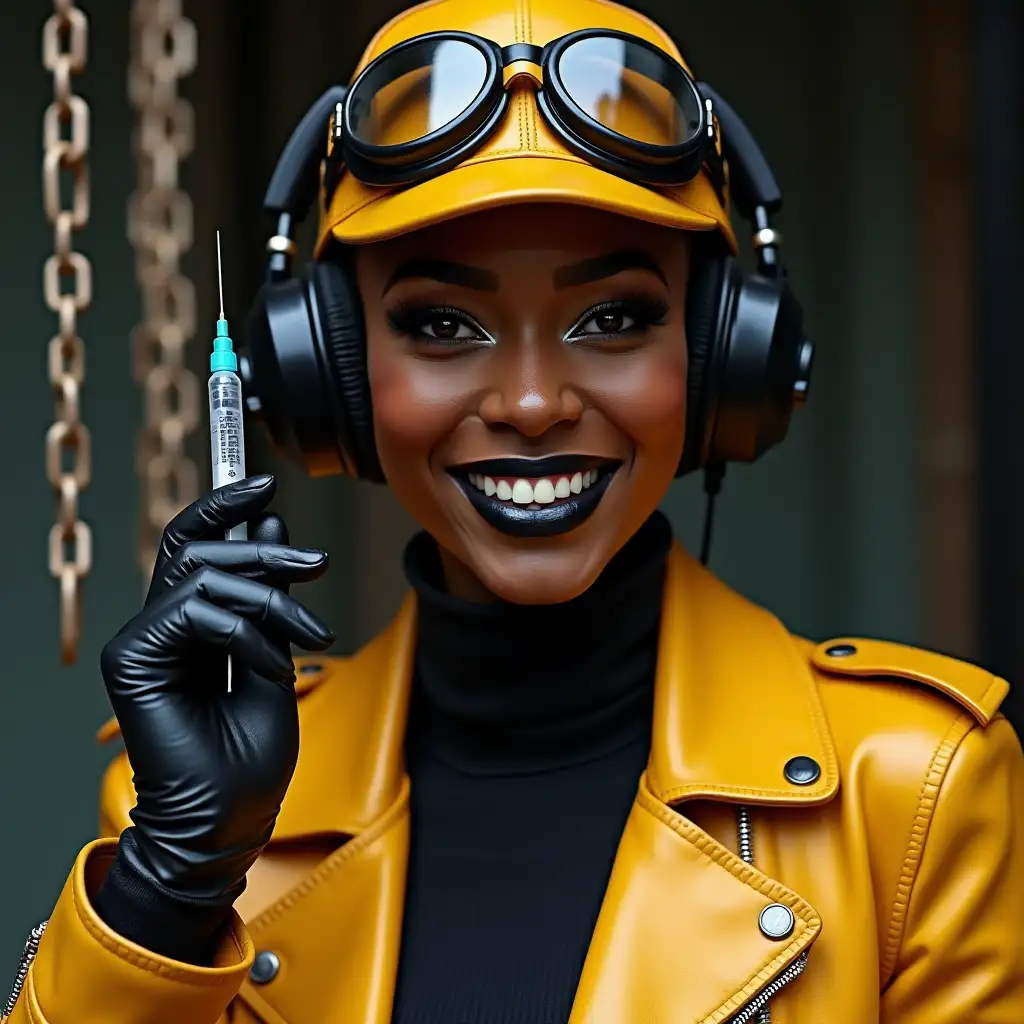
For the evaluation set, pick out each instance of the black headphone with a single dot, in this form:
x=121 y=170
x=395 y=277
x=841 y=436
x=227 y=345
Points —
x=304 y=371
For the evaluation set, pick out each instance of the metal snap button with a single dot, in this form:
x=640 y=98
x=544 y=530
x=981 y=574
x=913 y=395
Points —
x=841 y=650
x=264 y=968
x=776 y=921
x=802 y=771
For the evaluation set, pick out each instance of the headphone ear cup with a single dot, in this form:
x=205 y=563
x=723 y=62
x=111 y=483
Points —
x=338 y=316
x=703 y=301
x=763 y=369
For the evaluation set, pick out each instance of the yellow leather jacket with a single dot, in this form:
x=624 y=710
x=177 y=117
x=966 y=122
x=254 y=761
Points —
x=900 y=859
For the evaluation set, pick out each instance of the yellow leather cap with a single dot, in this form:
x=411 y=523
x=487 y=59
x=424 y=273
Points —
x=523 y=161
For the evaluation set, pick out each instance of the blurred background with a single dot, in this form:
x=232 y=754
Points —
x=894 y=509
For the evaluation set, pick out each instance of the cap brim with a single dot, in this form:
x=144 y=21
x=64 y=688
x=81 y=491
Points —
x=485 y=184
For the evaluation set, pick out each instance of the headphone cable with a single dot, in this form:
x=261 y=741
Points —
x=713 y=477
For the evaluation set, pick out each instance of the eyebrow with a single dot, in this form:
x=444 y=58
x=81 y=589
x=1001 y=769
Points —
x=588 y=271
x=462 y=275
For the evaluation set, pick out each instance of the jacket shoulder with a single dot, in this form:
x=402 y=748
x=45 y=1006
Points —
x=850 y=659
x=919 y=738
x=117 y=793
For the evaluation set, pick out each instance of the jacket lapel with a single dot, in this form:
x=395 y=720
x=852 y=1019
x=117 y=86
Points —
x=677 y=936
x=337 y=930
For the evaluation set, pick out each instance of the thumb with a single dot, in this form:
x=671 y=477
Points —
x=270 y=528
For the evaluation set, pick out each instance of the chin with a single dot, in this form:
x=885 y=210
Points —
x=538 y=576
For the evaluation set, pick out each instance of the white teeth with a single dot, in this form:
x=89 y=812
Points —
x=543 y=492
x=522 y=492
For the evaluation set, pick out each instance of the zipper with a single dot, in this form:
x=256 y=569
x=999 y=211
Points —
x=758 y=1009
x=28 y=954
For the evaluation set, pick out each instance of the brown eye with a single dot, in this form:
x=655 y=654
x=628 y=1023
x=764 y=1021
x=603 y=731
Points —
x=609 y=323
x=438 y=325
x=444 y=327
x=622 y=318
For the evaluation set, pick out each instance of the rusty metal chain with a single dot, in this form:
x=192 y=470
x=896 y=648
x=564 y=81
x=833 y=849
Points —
x=160 y=227
x=67 y=286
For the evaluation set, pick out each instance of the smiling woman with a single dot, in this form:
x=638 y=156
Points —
x=529 y=399
x=578 y=779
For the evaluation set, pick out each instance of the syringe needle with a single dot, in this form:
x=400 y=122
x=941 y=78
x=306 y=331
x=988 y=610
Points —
x=220 y=278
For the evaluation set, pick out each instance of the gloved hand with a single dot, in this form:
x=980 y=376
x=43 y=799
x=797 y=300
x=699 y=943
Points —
x=211 y=767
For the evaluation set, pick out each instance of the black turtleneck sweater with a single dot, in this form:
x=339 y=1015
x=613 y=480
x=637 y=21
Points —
x=529 y=729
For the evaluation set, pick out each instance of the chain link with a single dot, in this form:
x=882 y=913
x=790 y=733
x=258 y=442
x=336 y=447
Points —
x=67 y=288
x=160 y=227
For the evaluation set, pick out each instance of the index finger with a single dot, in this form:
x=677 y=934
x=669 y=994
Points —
x=212 y=514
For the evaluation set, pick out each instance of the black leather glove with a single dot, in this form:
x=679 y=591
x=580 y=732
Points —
x=210 y=767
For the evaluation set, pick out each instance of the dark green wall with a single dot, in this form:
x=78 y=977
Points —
x=49 y=764
x=824 y=530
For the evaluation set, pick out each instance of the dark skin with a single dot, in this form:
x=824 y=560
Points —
x=527 y=331
x=569 y=341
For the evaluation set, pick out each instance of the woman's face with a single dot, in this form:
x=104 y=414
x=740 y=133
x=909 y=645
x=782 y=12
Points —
x=528 y=373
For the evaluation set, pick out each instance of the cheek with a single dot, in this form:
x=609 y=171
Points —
x=646 y=398
x=414 y=403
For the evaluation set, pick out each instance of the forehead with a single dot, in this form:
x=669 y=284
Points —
x=541 y=233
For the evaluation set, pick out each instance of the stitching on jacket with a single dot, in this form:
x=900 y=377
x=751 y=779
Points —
x=719 y=855
x=812 y=701
x=680 y=791
x=926 y=801
x=352 y=848
x=193 y=976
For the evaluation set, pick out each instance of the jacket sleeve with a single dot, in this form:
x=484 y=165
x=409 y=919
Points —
x=961 y=958
x=85 y=973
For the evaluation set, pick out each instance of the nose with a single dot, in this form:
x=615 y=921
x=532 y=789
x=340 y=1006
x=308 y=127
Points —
x=532 y=396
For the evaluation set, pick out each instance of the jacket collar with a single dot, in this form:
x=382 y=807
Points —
x=734 y=701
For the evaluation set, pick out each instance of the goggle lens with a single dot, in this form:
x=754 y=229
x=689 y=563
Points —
x=630 y=90
x=420 y=90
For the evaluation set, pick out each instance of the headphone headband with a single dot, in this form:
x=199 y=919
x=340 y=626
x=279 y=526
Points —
x=305 y=368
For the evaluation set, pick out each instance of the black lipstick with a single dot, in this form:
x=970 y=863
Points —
x=536 y=520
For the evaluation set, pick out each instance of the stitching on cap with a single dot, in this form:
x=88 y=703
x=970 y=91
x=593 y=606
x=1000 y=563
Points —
x=927 y=799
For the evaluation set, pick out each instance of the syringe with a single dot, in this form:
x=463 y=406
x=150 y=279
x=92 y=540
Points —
x=227 y=437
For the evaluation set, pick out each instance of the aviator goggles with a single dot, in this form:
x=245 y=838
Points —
x=615 y=100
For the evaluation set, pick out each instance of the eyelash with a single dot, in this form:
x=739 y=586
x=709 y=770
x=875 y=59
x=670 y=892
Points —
x=408 y=320
x=645 y=310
